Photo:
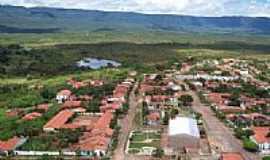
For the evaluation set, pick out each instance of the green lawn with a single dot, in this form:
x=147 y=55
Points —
x=143 y=139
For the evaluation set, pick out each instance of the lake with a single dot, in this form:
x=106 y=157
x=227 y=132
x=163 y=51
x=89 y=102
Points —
x=94 y=63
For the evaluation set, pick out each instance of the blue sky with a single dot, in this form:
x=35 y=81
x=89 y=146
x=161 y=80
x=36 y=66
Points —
x=182 y=7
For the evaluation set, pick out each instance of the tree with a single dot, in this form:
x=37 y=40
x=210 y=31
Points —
x=166 y=118
x=186 y=99
x=174 y=112
x=250 y=145
x=48 y=93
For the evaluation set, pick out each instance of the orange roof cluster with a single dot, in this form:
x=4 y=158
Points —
x=260 y=134
x=10 y=144
x=99 y=136
x=218 y=98
x=231 y=156
x=59 y=120
x=120 y=90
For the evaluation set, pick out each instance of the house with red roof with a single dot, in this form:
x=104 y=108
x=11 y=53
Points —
x=231 y=156
x=153 y=118
x=58 y=121
x=261 y=138
x=31 y=116
x=63 y=95
x=11 y=144
x=110 y=107
x=98 y=138
x=71 y=104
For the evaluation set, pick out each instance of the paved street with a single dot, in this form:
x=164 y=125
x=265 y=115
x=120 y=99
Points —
x=220 y=137
x=126 y=126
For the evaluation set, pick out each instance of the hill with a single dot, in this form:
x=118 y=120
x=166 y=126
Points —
x=50 y=20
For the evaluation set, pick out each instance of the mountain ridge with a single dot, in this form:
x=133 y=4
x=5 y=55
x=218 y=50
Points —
x=76 y=20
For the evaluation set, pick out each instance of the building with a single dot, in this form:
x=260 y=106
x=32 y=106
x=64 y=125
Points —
x=58 y=121
x=231 y=156
x=261 y=138
x=11 y=144
x=63 y=95
x=183 y=134
x=98 y=138
x=153 y=118
x=31 y=116
x=71 y=104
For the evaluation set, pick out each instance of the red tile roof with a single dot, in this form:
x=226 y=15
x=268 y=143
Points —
x=31 y=116
x=72 y=104
x=153 y=116
x=260 y=134
x=99 y=135
x=231 y=156
x=93 y=143
x=65 y=92
x=60 y=119
x=9 y=144
x=104 y=121
x=218 y=98
x=110 y=106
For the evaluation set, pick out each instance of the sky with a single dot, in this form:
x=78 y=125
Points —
x=252 y=8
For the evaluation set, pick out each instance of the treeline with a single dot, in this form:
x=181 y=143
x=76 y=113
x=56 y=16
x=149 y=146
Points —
x=54 y=60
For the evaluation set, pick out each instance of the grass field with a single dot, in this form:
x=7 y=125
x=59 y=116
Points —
x=141 y=139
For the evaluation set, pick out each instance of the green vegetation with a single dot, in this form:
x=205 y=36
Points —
x=250 y=145
x=266 y=158
x=186 y=100
x=142 y=139
x=52 y=141
x=26 y=94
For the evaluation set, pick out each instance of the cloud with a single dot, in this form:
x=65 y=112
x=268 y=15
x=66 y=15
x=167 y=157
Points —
x=183 y=7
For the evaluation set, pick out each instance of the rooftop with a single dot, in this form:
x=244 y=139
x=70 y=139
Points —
x=231 y=156
x=183 y=125
x=60 y=119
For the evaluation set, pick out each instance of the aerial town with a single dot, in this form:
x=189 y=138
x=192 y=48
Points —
x=213 y=109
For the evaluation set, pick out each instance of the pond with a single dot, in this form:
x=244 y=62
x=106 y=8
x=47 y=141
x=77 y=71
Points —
x=94 y=63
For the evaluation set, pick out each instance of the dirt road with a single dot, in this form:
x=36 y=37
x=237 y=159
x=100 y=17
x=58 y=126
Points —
x=126 y=126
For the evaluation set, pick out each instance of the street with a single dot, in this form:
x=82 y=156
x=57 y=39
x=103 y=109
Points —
x=220 y=137
x=126 y=126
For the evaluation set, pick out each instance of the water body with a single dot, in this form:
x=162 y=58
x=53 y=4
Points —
x=94 y=63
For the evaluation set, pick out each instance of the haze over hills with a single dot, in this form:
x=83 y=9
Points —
x=50 y=20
